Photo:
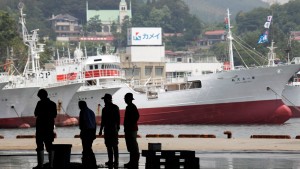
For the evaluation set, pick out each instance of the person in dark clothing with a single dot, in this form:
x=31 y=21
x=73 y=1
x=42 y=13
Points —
x=130 y=128
x=110 y=122
x=87 y=126
x=45 y=113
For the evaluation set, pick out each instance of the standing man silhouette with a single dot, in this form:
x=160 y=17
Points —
x=45 y=113
x=110 y=122
x=130 y=128
x=87 y=125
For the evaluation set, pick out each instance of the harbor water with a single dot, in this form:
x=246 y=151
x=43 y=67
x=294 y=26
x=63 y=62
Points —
x=291 y=127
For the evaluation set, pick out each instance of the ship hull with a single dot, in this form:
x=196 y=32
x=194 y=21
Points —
x=92 y=96
x=24 y=101
x=228 y=113
x=251 y=96
x=12 y=103
x=291 y=98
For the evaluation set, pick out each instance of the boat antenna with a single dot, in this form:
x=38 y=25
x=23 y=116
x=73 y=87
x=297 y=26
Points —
x=230 y=38
x=271 y=54
x=289 y=48
x=31 y=41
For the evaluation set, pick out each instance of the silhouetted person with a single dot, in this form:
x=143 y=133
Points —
x=110 y=122
x=45 y=113
x=87 y=125
x=130 y=128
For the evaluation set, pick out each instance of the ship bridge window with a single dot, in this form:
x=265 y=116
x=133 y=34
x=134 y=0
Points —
x=91 y=67
x=97 y=60
x=196 y=84
x=91 y=82
x=179 y=59
x=96 y=66
x=102 y=66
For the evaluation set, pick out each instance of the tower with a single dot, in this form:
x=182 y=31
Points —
x=123 y=12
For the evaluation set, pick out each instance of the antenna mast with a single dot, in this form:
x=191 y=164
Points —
x=230 y=38
x=30 y=40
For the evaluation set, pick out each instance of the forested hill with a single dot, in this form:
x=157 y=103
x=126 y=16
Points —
x=211 y=11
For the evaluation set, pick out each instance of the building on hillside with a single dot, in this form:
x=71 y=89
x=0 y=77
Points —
x=65 y=26
x=108 y=17
x=212 y=37
x=295 y=35
x=145 y=54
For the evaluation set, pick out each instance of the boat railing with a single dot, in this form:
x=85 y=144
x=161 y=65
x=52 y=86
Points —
x=107 y=84
x=177 y=79
x=146 y=82
x=103 y=73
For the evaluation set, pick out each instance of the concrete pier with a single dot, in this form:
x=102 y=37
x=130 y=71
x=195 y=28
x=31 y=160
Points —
x=196 y=144
x=213 y=152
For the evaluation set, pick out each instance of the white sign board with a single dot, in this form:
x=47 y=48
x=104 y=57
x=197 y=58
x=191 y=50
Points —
x=144 y=36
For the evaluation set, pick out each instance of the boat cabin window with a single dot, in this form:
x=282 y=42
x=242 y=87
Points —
x=91 y=67
x=91 y=82
x=96 y=66
x=196 y=84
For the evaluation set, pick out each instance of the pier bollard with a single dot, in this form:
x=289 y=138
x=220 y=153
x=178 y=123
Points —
x=228 y=133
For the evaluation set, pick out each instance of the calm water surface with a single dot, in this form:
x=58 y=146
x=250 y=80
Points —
x=291 y=127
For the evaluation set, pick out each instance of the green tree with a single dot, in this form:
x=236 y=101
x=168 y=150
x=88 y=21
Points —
x=94 y=24
x=8 y=34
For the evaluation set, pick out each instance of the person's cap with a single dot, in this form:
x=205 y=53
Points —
x=129 y=96
x=107 y=96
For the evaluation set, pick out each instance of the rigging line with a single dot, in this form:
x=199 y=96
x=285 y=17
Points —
x=284 y=98
x=249 y=54
x=13 y=107
x=247 y=45
x=251 y=49
x=240 y=56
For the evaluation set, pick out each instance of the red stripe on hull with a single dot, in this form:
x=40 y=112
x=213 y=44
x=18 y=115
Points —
x=258 y=112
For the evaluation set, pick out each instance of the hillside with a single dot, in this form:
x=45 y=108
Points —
x=211 y=11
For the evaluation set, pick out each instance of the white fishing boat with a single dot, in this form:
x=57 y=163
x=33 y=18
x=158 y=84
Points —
x=101 y=74
x=290 y=94
x=241 y=96
x=18 y=98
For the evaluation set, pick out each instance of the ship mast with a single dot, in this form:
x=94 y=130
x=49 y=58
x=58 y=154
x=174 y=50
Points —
x=30 y=40
x=230 y=38
x=271 y=54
